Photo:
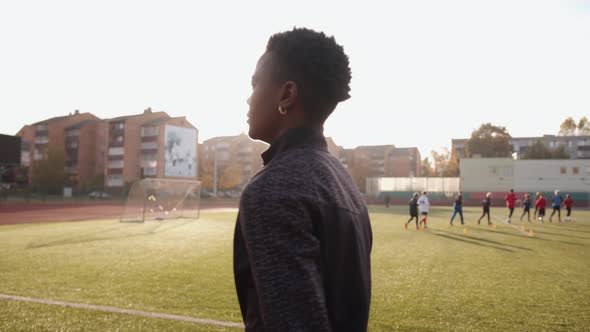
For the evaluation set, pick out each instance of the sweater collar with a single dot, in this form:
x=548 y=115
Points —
x=300 y=137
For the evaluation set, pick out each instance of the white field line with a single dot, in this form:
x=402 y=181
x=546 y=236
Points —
x=122 y=311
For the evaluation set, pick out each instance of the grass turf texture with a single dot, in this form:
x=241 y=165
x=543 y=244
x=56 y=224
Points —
x=438 y=280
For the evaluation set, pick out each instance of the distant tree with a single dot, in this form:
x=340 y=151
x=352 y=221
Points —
x=427 y=169
x=489 y=141
x=230 y=177
x=540 y=151
x=568 y=127
x=537 y=151
x=359 y=171
x=96 y=183
x=446 y=163
x=452 y=168
x=49 y=174
x=560 y=153
x=584 y=126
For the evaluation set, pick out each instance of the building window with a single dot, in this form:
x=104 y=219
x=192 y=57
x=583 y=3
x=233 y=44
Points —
x=563 y=170
x=575 y=170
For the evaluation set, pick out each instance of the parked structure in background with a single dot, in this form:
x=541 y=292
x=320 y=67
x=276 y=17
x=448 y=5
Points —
x=578 y=147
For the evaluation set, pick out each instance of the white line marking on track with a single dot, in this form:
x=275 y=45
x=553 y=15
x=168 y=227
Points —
x=122 y=311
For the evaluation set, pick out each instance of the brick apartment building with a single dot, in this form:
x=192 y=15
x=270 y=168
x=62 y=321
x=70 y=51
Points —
x=114 y=152
x=237 y=159
x=74 y=135
x=380 y=161
x=403 y=162
x=142 y=145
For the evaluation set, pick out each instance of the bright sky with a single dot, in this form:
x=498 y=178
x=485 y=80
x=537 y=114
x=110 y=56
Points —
x=423 y=71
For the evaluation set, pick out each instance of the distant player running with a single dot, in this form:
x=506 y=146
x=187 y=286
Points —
x=568 y=202
x=458 y=208
x=537 y=194
x=526 y=204
x=423 y=203
x=413 y=210
x=485 y=204
x=557 y=200
x=540 y=204
x=510 y=203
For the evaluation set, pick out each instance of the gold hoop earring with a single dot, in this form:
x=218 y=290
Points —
x=282 y=110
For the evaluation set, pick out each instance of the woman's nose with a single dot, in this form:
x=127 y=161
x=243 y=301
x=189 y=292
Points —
x=248 y=101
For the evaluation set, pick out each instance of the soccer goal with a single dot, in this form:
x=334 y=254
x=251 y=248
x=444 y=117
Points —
x=161 y=199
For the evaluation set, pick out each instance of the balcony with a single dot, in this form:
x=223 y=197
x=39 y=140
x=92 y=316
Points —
x=73 y=133
x=149 y=145
x=149 y=171
x=116 y=164
x=148 y=163
x=117 y=126
x=71 y=169
x=149 y=131
x=42 y=132
x=41 y=140
x=116 y=151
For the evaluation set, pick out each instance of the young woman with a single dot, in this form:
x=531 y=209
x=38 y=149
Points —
x=568 y=203
x=510 y=203
x=303 y=238
x=413 y=210
x=540 y=204
x=526 y=205
x=423 y=203
x=556 y=200
x=485 y=204
x=458 y=208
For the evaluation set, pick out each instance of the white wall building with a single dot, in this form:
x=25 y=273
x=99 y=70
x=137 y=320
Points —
x=501 y=174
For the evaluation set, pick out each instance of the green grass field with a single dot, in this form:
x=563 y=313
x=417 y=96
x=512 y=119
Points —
x=474 y=278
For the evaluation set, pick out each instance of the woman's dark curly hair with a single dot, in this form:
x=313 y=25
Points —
x=317 y=64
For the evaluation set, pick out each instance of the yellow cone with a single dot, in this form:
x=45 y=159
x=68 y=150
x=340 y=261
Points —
x=522 y=228
x=531 y=233
x=465 y=231
x=494 y=226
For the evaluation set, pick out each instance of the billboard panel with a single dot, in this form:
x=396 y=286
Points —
x=180 y=155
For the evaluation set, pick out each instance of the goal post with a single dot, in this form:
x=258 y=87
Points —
x=161 y=199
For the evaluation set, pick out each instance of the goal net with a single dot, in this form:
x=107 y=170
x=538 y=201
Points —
x=161 y=199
